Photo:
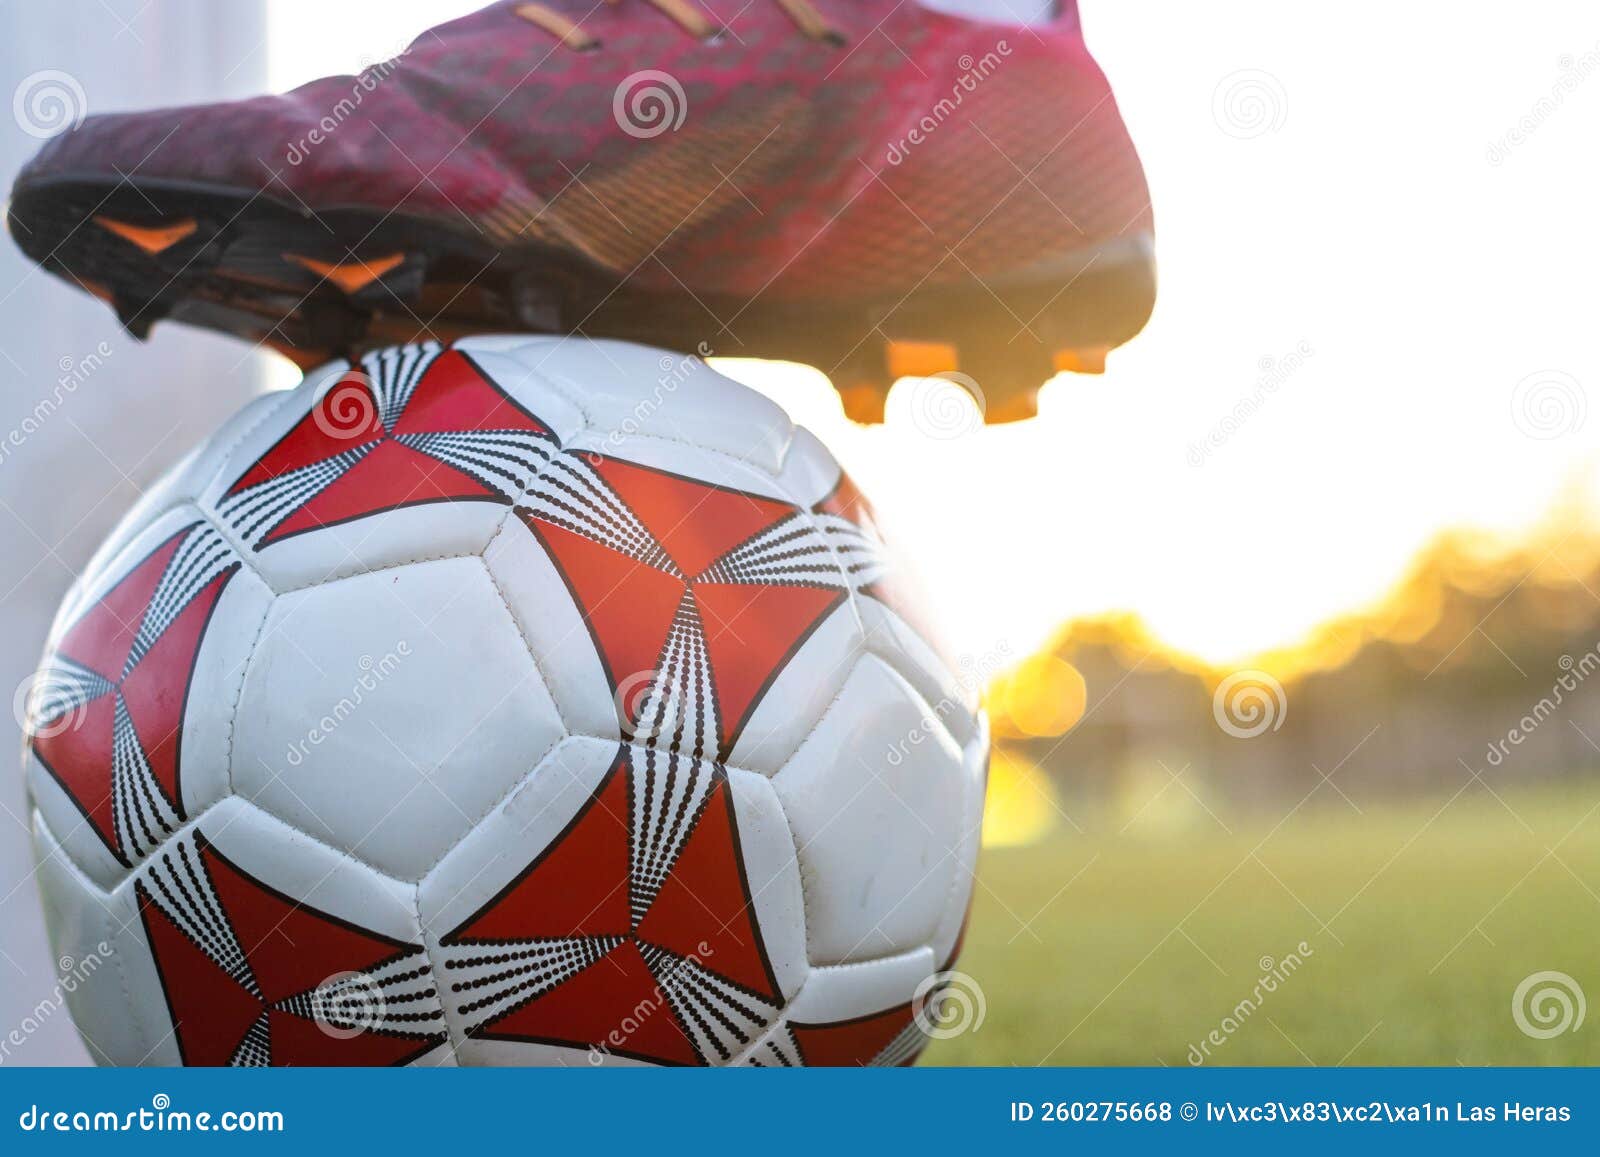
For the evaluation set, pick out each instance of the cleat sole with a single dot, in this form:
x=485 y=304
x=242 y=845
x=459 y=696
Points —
x=343 y=281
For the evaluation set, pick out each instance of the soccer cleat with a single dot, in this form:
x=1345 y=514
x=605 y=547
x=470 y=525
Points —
x=640 y=761
x=869 y=186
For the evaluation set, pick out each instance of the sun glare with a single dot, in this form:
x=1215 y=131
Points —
x=1297 y=420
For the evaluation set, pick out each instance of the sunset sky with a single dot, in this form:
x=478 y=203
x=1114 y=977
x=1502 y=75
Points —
x=1403 y=247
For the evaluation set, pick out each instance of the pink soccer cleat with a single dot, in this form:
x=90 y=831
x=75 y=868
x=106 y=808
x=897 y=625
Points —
x=870 y=186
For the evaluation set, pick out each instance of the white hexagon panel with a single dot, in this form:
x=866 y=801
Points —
x=385 y=713
x=518 y=701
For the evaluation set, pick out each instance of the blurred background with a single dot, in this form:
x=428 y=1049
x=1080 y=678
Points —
x=1290 y=622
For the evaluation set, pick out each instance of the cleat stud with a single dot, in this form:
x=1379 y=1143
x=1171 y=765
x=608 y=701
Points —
x=863 y=403
x=1091 y=360
x=152 y=239
x=1017 y=407
x=137 y=316
x=1009 y=376
x=536 y=305
x=921 y=359
x=351 y=276
x=332 y=325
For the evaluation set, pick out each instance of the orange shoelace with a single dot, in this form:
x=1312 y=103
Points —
x=683 y=12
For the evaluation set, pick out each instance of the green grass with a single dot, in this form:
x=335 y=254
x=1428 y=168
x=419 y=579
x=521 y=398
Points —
x=1127 y=947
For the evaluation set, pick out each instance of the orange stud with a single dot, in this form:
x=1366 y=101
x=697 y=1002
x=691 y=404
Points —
x=1091 y=360
x=921 y=359
x=152 y=239
x=1017 y=407
x=351 y=276
x=863 y=403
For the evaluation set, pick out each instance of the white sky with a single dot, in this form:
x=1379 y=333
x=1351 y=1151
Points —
x=1368 y=223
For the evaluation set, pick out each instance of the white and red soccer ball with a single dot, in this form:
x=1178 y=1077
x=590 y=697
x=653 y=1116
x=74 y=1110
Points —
x=521 y=701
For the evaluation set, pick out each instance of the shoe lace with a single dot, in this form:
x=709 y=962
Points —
x=684 y=13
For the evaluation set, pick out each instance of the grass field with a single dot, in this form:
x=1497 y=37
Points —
x=1123 y=947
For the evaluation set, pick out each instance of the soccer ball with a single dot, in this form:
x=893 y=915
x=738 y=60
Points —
x=518 y=701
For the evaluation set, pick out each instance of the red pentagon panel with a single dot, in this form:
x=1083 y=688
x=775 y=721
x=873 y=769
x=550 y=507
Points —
x=577 y=887
x=695 y=523
x=412 y=433
x=751 y=632
x=245 y=970
x=702 y=908
x=892 y=590
x=629 y=605
x=641 y=550
x=632 y=933
x=584 y=1011
x=852 y=1042
x=110 y=724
